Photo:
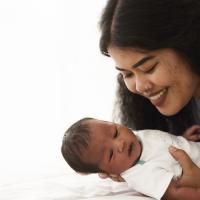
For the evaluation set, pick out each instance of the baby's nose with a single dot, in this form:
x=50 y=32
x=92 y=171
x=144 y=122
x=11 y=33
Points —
x=120 y=145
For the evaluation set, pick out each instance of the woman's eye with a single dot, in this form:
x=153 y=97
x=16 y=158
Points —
x=151 y=70
x=111 y=155
x=127 y=75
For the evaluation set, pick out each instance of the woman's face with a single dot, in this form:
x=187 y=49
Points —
x=163 y=76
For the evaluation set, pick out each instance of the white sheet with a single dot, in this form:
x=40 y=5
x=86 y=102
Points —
x=67 y=186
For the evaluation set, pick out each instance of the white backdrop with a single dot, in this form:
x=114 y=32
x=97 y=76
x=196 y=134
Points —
x=51 y=74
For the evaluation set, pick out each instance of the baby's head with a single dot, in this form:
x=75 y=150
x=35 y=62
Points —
x=91 y=146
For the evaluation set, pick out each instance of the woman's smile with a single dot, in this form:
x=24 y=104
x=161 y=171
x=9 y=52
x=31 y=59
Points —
x=158 y=98
x=165 y=84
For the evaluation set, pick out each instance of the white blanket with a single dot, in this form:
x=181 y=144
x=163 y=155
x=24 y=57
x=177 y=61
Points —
x=67 y=186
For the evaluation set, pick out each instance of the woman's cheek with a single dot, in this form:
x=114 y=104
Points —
x=130 y=84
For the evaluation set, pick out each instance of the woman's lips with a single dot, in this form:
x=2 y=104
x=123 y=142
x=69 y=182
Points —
x=159 y=98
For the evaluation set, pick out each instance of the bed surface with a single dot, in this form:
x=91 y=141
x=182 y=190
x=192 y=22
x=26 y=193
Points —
x=67 y=186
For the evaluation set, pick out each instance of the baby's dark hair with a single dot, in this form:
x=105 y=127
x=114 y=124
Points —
x=76 y=139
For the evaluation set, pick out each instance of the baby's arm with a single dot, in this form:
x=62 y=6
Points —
x=181 y=193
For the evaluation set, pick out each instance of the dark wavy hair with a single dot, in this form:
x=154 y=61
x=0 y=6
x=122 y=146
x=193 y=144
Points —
x=75 y=140
x=152 y=25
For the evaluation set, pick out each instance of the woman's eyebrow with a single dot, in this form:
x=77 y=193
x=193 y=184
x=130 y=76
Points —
x=139 y=63
x=142 y=61
x=120 y=69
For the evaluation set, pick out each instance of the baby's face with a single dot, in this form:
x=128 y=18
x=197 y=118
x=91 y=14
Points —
x=114 y=148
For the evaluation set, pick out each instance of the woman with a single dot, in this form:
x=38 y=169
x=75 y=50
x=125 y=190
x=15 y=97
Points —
x=156 y=48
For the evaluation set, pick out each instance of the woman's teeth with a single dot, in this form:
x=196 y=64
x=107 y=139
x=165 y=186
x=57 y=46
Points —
x=157 y=96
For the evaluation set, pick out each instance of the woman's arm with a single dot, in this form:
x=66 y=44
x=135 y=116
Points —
x=191 y=173
x=174 y=192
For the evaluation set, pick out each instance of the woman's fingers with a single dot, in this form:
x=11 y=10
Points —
x=183 y=159
x=191 y=173
x=192 y=133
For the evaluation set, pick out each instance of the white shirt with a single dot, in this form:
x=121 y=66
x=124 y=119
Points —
x=156 y=167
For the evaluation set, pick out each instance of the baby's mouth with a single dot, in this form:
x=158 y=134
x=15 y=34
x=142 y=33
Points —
x=130 y=148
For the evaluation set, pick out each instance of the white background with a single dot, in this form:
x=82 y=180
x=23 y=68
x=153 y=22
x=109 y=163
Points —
x=51 y=74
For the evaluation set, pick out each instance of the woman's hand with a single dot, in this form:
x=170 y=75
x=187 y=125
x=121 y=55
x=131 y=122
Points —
x=191 y=173
x=114 y=177
x=192 y=133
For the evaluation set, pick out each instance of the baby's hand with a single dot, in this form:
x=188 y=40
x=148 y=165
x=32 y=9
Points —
x=192 y=133
x=117 y=178
x=114 y=177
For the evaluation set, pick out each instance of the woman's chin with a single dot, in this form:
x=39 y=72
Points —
x=168 y=112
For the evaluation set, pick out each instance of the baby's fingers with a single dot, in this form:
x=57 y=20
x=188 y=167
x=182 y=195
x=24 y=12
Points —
x=103 y=175
x=117 y=178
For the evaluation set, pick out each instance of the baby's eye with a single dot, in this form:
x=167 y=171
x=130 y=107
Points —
x=116 y=134
x=111 y=155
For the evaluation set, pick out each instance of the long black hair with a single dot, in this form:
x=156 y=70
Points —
x=152 y=25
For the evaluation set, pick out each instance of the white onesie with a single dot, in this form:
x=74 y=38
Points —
x=154 y=171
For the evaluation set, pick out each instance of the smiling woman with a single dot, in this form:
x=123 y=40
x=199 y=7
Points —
x=154 y=95
x=162 y=76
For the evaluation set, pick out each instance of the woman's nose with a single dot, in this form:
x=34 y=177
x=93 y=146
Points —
x=143 y=85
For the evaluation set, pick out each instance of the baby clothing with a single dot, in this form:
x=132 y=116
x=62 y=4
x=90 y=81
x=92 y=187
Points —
x=152 y=174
